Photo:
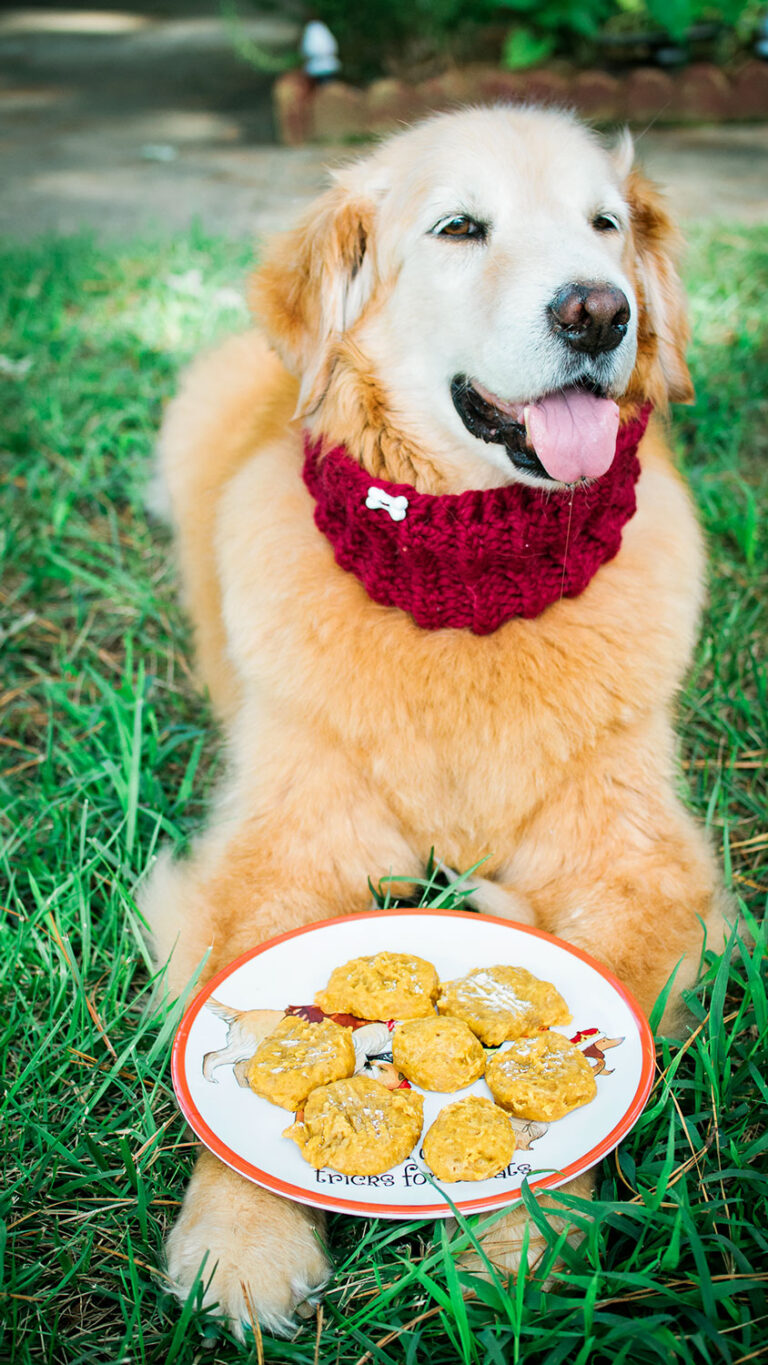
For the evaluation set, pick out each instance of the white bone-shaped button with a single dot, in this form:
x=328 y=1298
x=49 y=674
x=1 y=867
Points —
x=377 y=500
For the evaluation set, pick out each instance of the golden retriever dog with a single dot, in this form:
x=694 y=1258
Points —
x=472 y=307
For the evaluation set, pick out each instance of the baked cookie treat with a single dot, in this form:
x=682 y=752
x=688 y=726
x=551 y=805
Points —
x=502 y=1002
x=471 y=1139
x=358 y=1127
x=541 y=1078
x=437 y=1054
x=298 y=1056
x=384 y=986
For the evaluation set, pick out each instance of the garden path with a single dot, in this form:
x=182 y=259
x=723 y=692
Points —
x=125 y=123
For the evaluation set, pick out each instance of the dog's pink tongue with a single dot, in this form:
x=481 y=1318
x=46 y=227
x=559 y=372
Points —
x=573 y=434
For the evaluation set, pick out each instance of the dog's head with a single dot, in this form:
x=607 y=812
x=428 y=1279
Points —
x=471 y=303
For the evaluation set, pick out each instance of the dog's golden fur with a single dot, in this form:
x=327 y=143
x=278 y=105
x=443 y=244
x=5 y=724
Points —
x=357 y=741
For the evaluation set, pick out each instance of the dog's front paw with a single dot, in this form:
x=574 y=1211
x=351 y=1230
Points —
x=265 y=1258
x=505 y=1242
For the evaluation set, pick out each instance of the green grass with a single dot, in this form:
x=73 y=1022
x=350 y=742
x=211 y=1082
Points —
x=106 y=749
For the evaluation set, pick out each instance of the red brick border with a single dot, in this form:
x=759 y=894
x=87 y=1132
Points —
x=701 y=93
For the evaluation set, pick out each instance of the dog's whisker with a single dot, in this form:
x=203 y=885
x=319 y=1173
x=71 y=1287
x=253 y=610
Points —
x=567 y=543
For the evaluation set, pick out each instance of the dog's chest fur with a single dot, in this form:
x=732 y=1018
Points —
x=457 y=731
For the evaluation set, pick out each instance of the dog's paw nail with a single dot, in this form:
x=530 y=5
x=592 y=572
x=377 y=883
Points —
x=307 y=1309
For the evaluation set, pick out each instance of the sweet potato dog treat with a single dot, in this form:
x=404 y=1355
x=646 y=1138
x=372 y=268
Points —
x=358 y=1127
x=298 y=1056
x=384 y=986
x=471 y=1139
x=437 y=1054
x=502 y=1002
x=541 y=1078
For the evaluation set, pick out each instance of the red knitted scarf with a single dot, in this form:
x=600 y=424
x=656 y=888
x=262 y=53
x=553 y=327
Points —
x=472 y=560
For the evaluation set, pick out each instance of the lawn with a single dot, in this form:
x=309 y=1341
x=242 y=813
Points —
x=106 y=750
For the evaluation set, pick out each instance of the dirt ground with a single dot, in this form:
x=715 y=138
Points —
x=129 y=122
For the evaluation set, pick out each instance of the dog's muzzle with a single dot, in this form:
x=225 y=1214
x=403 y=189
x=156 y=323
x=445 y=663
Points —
x=491 y=425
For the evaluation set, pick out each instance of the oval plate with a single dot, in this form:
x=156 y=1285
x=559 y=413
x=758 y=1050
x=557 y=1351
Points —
x=245 y=1131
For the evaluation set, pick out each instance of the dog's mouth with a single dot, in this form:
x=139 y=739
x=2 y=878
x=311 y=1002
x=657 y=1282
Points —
x=565 y=436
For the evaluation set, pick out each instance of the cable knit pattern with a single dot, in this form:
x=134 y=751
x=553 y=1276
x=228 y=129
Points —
x=473 y=560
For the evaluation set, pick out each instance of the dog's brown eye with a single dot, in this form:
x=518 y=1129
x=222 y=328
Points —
x=461 y=226
x=606 y=222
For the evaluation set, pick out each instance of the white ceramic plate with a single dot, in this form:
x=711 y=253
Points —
x=245 y=1131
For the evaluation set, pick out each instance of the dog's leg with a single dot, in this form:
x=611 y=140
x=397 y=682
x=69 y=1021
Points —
x=503 y=1243
x=263 y=1253
x=631 y=878
x=645 y=914
x=649 y=920
x=493 y=898
x=264 y=1257
x=303 y=854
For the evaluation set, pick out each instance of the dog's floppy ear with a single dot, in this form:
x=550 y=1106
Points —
x=314 y=285
x=664 y=331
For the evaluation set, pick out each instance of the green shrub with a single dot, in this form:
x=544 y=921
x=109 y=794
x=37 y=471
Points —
x=416 y=37
x=402 y=34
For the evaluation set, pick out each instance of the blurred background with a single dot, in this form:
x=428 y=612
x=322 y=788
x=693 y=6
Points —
x=165 y=111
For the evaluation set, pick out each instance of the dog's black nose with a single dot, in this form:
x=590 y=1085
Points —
x=590 y=317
